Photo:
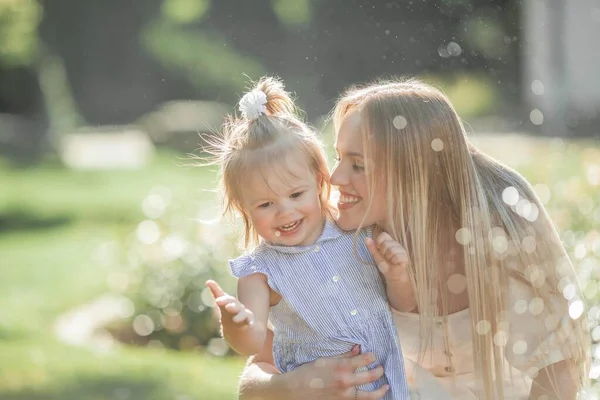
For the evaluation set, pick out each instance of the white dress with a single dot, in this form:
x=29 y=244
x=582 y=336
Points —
x=447 y=372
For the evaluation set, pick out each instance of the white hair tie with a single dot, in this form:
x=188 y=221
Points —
x=253 y=104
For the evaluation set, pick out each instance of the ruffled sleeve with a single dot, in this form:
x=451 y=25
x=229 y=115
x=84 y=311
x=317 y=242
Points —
x=246 y=265
x=539 y=334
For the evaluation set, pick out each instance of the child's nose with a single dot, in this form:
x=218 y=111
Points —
x=286 y=208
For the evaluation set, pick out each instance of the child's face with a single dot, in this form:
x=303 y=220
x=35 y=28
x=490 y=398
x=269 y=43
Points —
x=283 y=203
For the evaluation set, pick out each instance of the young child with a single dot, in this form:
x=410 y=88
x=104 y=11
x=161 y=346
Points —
x=303 y=276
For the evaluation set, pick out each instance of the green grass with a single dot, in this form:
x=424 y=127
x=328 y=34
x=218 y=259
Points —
x=52 y=220
x=48 y=370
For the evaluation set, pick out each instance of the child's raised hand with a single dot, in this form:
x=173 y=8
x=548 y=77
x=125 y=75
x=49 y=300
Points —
x=232 y=310
x=390 y=257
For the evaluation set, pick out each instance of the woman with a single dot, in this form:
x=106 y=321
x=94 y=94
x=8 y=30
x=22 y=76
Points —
x=480 y=285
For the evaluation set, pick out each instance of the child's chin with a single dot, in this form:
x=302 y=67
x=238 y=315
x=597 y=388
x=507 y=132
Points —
x=345 y=223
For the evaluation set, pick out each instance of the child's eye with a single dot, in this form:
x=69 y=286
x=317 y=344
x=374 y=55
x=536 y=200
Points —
x=296 y=195
x=264 y=205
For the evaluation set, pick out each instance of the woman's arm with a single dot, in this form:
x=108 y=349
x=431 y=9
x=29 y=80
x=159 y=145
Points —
x=326 y=378
x=554 y=383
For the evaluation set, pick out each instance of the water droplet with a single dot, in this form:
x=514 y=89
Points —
x=569 y=291
x=501 y=338
x=536 y=306
x=463 y=236
x=400 y=122
x=437 y=144
x=537 y=87
x=528 y=244
x=217 y=347
x=580 y=251
x=521 y=306
x=457 y=283
x=483 y=327
x=174 y=246
x=510 y=196
x=576 y=309
x=593 y=174
x=143 y=325
x=153 y=206
x=454 y=49
x=443 y=51
x=536 y=117
x=387 y=32
x=148 y=232
x=519 y=347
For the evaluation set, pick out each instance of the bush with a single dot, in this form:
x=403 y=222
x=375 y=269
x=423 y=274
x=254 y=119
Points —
x=168 y=259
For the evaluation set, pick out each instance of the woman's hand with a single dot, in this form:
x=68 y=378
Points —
x=331 y=378
x=392 y=261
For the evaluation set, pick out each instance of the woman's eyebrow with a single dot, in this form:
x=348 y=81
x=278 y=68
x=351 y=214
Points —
x=350 y=153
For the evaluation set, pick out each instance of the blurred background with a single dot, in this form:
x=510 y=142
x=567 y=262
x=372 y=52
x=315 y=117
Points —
x=108 y=233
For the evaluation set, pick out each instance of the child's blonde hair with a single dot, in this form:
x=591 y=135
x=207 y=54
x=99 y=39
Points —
x=260 y=143
x=438 y=186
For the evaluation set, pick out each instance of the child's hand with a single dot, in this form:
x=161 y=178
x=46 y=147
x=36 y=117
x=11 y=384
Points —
x=392 y=260
x=232 y=311
x=390 y=257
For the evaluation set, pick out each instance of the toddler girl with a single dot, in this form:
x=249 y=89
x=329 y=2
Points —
x=302 y=275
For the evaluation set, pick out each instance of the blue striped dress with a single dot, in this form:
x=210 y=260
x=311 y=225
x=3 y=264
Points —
x=330 y=302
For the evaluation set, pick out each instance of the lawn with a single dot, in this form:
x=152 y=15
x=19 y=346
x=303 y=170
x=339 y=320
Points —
x=54 y=221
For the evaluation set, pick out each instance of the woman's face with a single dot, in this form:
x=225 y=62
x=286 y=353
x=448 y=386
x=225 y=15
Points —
x=349 y=177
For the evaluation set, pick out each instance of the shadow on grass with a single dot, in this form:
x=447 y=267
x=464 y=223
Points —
x=99 y=388
x=20 y=220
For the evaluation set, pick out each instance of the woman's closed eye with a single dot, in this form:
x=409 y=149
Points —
x=357 y=167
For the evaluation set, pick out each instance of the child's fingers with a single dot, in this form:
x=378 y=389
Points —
x=223 y=301
x=215 y=289
x=234 y=307
x=392 y=251
x=243 y=316
x=380 y=260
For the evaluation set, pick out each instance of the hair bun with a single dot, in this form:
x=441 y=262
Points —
x=253 y=104
x=267 y=97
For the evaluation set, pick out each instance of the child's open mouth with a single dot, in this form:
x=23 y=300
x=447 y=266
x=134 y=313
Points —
x=290 y=229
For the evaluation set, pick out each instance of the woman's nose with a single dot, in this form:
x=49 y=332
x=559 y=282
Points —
x=338 y=178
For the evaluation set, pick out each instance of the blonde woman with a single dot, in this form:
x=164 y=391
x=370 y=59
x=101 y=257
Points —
x=480 y=270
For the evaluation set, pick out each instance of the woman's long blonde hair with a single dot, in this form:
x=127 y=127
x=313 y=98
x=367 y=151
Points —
x=439 y=188
x=257 y=145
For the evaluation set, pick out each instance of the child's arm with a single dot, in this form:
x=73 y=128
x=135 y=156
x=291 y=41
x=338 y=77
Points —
x=244 y=321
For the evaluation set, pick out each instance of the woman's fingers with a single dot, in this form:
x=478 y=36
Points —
x=361 y=360
x=364 y=377
x=353 y=352
x=374 y=395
